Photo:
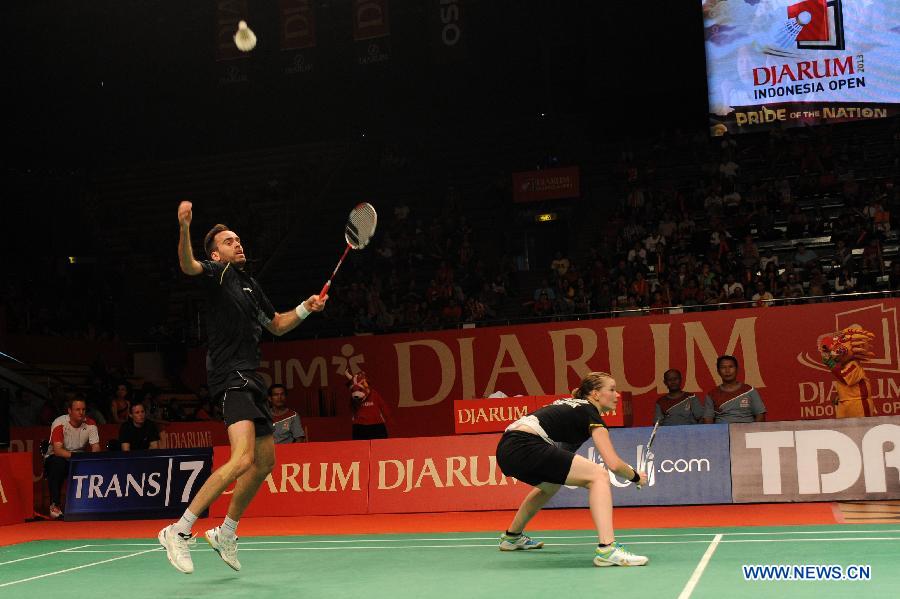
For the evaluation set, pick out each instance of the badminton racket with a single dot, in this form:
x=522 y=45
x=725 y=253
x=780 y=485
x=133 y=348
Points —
x=648 y=454
x=357 y=233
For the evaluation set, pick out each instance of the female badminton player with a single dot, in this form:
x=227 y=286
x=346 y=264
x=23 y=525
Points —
x=530 y=452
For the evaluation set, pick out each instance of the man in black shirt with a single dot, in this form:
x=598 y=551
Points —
x=238 y=309
x=137 y=433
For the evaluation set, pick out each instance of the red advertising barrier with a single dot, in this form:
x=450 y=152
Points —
x=309 y=479
x=493 y=415
x=547 y=184
x=441 y=474
x=421 y=374
x=15 y=488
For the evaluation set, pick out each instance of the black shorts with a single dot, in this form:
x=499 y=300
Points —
x=247 y=398
x=532 y=460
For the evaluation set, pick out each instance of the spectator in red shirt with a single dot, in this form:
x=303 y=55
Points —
x=370 y=412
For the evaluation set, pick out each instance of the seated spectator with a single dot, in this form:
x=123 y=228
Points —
x=793 y=288
x=70 y=433
x=845 y=282
x=768 y=258
x=762 y=298
x=288 y=428
x=805 y=257
x=138 y=433
x=732 y=287
x=750 y=253
x=544 y=289
x=732 y=401
x=560 y=264
x=677 y=406
x=204 y=411
x=452 y=312
x=842 y=256
x=543 y=306
x=120 y=405
x=871 y=257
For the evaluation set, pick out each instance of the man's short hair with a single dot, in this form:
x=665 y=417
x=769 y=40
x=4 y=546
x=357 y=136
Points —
x=726 y=358
x=134 y=405
x=73 y=398
x=277 y=386
x=209 y=242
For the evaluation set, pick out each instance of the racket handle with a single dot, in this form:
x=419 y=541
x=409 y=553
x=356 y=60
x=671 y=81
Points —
x=341 y=261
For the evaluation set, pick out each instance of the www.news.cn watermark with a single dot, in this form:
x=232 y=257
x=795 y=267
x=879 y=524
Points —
x=785 y=572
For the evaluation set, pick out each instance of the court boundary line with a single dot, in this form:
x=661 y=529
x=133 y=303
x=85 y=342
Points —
x=112 y=559
x=721 y=540
x=543 y=537
x=701 y=567
x=22 y=559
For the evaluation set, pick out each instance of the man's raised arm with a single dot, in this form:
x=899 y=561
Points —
x=186 y=261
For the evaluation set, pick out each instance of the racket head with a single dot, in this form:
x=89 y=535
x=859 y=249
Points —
x=360 y=226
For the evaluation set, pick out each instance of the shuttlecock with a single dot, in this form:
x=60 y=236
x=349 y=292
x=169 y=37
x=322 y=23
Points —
x=244 y=39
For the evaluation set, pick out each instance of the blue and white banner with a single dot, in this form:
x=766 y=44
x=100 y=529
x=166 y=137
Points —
x=135 y=484
x=792 y=63
x=688 y=465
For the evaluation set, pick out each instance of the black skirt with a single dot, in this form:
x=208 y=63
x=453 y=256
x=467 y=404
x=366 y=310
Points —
x=530 y=459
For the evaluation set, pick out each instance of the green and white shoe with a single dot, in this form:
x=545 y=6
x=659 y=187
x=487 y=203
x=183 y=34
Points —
x=617 y=555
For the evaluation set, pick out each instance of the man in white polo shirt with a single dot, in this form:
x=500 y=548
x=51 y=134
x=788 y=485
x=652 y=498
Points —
x=69 y=433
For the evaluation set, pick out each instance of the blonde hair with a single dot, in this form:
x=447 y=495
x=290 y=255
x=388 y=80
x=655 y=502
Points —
x=593 y=380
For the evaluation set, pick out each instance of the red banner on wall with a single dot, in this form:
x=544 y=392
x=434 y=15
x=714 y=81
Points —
x=548 y=184
x=16 y=499
x=493 y=415
x=442 y=474
x=308 y=479
x=421 y=374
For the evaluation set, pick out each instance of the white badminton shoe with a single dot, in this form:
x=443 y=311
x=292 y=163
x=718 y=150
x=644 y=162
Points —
x=617 y=555
x=225 y=546
x=177 y=549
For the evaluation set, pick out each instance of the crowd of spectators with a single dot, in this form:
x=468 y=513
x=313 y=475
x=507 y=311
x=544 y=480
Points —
x=796 y=223
x=697 y=223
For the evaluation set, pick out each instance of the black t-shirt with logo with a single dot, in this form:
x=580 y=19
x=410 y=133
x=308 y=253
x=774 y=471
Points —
x=237 y=311
x=569 y=421
x=138 y=437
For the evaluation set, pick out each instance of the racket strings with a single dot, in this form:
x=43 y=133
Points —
x=361 y=225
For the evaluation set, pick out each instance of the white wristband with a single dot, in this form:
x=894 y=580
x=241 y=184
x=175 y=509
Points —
x=302 y=312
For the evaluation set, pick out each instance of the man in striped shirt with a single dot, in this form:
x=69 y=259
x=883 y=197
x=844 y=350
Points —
x=69 y=433
x=733 y=400
x=286 y=422
x=677 y=406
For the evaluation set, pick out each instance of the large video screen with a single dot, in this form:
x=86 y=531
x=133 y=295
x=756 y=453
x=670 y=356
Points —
x=806 y=62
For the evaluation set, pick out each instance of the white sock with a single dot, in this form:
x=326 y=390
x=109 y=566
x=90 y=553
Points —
x=228 y=528
x=184 y=525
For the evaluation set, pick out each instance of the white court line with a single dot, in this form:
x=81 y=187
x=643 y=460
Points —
x=812 y=540
x=698 y=571
x=22 y=559
x=546 y=538
x=112 y=559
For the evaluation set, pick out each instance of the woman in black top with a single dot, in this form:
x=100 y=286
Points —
x=539 y=449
